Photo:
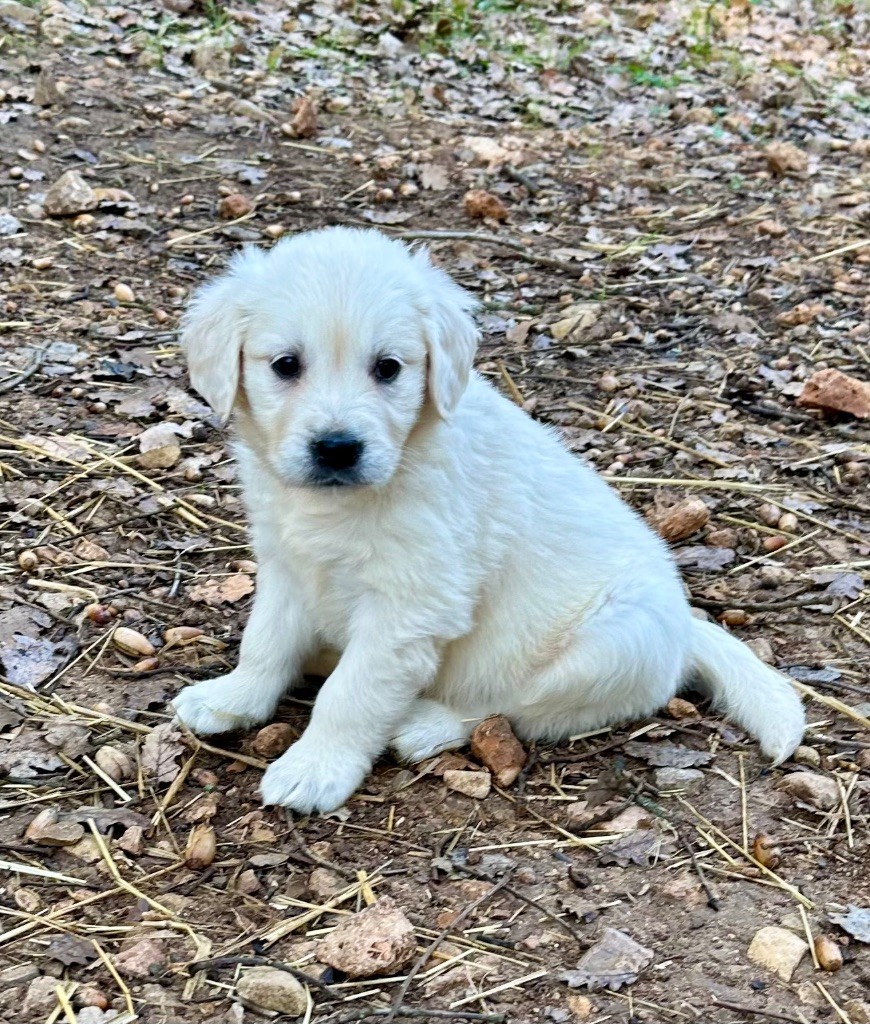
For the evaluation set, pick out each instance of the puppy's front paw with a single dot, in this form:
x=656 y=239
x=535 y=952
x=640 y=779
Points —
x=220 y=705
x=311 y=778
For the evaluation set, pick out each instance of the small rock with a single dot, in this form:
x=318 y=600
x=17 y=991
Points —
x=817 y=790
x=828 y=953
x=132 y=642
x=687 y=780
x=271 y=989
x=785 y=158
x=139 y=961
x=679 y=708
x=114 y=763
x=124 y=293
x=377 y=940
x=40 y=999
x=18 y=974
x=769 y=514
x=46 y=830
x=324 y=884
x=631 y=818
x=777 y=949
x=164 y=457
x=608 y=383
x=858 y=1010
x=481 y=204
x=11 y=10
x=46 y=92
x=682 y=520
x=248 y=883
x=494 y=744
x=771 y=544
x=474 y=784
x=772 y=228
x=234 y=206
x=9 y=225
x=762 y=649
x=734 y=617
x=272 y=740
x=581 y=1007
x=807 y=755
x=724 y=538
x=304 y=123
x=69 y=195
x=90 y=995
x=835 y=391
x=92 y=1015
x=132 y=840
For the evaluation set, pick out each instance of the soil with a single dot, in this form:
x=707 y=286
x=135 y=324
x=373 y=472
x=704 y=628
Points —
x=686 y=190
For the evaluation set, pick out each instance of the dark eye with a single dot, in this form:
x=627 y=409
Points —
x=286 y=367
x=387 y=369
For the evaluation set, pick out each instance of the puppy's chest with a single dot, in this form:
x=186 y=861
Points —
x=331 y=571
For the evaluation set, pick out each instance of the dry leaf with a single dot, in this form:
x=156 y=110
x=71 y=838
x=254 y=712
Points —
x=856 y=922
x=666 y=755
x=226 y=590
x=615 y=960
x=160 y=751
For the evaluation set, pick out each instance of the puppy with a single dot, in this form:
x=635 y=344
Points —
x=406 y=515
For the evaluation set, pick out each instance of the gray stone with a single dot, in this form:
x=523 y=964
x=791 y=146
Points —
x=686 y=780
x=271 y=989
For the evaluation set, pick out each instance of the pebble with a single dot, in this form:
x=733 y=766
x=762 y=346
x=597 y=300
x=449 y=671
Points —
x=788 y=522
x=234 y=206
x=377 y=940
x=817 y=790
x=480 y=204
x=777 y=949
x=41 y=998
x=762 y=649
x=858 y=1010
x=46 y=830
x=494 y=744
x=18 y=974
x=272 y=740
x=138 y=960
x=680 y=708
x=682 y=520
x=324 y=884
x=687 y=780
x=69 y=195
x=473 y=784
x=114 y=763
x=124 y=293
x=271 y=989
x=807 y=755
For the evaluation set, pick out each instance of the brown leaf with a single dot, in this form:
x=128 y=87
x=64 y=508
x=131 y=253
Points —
x=666 y=755
x=785 y=158
x=71 y=951
x=159 y=753
x=226 y=590
x=642 y=847
x=304 y=122
x=835 y=391
x=681 y=521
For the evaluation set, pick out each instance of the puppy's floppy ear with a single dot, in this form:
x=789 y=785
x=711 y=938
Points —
x=451 y=334
x=212 y=332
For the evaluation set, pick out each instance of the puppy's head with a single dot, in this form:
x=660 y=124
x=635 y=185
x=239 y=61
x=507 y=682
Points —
x=328 y=347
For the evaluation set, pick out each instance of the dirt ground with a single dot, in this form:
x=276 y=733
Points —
x=679 y=238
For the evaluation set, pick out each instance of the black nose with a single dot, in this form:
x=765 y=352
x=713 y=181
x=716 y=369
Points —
x=337 y=451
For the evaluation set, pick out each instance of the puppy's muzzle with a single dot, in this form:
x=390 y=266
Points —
x=335 y=458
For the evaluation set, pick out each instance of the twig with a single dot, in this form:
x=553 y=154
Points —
x=259 y=961
x=712 y=899
x=483 y=1018
x=737 y=1008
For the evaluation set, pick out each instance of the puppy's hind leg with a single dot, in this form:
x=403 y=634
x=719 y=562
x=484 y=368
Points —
x=430 y=728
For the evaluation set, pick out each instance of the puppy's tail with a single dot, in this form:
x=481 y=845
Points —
x=757 y=697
